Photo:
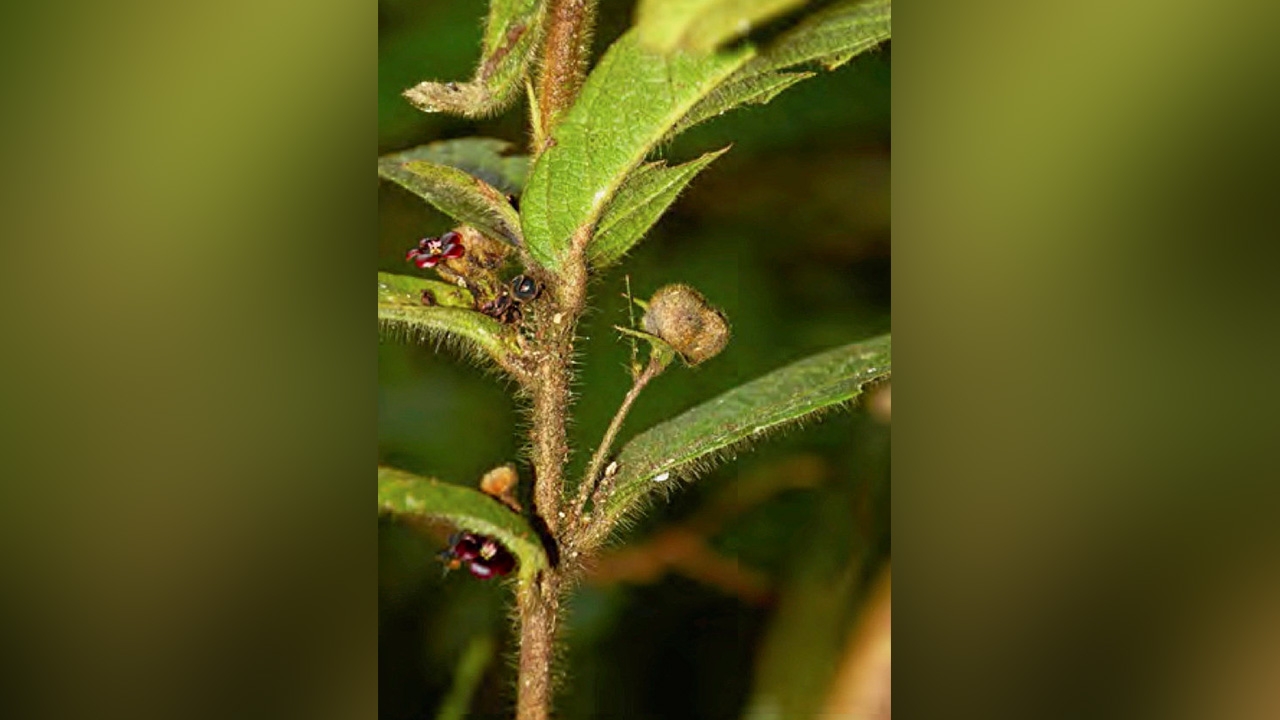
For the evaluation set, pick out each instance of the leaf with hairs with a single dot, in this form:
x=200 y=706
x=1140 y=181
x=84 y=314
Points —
x=400 y=317
x=404 y=493
x=689 y=442
x=642 y=199
x=830 y=37
x=703 y=25
x=629 y=102
x=485 y=158
x=406 y=291
x=511 y=38
x=755 y=89
x=463 y=197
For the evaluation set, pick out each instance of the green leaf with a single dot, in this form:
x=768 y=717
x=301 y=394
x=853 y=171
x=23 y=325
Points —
x=702 y=25
x=485 y=158
x=831 y=37
x=399 y=317
x=689 y=442
x=406 y=290
x=408 y=494
x=755 y=89
x=627 y=105
x=642 y=199
x=463 y=197
x=511 y=38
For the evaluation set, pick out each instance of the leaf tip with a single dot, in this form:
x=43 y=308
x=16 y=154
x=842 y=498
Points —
x=467 y=99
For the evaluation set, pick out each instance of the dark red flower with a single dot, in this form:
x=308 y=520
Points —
x=501 y=564
x=484 y=557
x=432 y=250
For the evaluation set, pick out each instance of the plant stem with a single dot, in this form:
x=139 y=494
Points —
x=602 y=452
x=550 y=386
x=564 y=58
x=539 y=622
x=565 y=50
x=550 y=449
x=539 y=600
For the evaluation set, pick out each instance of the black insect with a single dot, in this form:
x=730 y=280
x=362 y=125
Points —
x=508 y=306
x=525 y=288
x=503 y=309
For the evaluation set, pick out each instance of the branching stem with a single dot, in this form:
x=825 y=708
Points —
x=589 y=481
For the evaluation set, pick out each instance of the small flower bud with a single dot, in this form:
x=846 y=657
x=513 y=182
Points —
x=681 y=316
x=500 y=483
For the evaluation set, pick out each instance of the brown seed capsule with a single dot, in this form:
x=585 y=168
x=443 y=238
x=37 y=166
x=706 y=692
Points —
x=681 y=316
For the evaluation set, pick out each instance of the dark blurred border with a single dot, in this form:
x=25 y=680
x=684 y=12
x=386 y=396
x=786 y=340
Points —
x=1085 y=333
x=189 y=385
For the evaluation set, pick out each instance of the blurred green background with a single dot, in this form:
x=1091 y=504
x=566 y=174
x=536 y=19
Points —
x=789 y=234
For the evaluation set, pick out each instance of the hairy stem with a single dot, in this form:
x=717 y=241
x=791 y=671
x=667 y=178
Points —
x=564 y=56
x=550 y=384
x=566 y=49
x=550 y=448
x=539 y=623
x=550 y=387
